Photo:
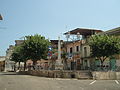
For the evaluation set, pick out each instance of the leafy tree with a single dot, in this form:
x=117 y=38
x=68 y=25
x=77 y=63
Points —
x=64 y=57
x=35 y=47
x=17 y=55
x=103 y=46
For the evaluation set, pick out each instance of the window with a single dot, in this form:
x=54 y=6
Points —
x=71 y=50
x=77 y=48
x=85 y=51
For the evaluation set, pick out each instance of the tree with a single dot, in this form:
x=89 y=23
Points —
x=103 y=46
x=17 y=55
x=64 y=57
x=35 y=47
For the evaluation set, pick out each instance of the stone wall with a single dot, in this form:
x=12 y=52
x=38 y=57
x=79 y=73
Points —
x=110 y=75
x=60 y=74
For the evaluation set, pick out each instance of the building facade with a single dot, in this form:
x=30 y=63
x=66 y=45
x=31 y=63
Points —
x=2 y=63
x=115 y=61
x=9 y=65
x=79 y=50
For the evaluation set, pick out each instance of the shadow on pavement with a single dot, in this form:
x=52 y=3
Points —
x=11 y=73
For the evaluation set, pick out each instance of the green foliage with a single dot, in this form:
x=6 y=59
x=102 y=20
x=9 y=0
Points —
x=17 y=54
x=35 y=47
x=104 y=45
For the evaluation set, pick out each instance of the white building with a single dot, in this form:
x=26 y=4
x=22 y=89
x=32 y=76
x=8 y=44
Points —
x=9 y=64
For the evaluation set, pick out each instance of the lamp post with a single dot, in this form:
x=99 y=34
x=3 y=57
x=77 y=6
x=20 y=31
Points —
x=73 y=53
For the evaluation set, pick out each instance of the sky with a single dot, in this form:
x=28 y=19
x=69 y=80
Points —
x=52 y=18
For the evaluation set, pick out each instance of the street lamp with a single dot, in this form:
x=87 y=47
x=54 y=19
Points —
x=73 y=39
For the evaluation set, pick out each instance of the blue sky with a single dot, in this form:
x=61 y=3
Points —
x=51 y=17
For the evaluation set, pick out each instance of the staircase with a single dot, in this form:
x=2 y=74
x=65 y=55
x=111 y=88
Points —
x=84 y=75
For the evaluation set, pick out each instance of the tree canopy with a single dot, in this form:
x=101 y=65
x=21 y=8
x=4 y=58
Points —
x=103 y=46
x=17 y=54
x=35 y=47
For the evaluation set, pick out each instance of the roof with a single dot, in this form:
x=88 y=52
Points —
x=73 y=41
x=18 y=42
x=115 y=31
x=83 y=31
x=55 y=41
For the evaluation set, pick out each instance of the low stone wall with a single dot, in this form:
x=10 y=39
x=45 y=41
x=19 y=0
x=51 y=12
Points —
x=61 y=74
x=110 y=75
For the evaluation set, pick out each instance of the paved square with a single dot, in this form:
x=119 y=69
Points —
x=27 y=82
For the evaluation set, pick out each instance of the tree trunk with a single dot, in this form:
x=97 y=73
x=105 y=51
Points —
x=102 y=65
x=102 y=59
x=19 y=65
x=24 y=66
x=15 y=67
x=34 y=64
x=65 y=64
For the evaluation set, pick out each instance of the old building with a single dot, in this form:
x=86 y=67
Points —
x=115 y=31
x=2 y=63
x=114 y=63
x=111 y=63
x=78 y=49
x=8 y=63
x=18 y=42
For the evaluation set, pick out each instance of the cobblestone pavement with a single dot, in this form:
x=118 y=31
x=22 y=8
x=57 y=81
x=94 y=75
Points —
x=11 y=81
